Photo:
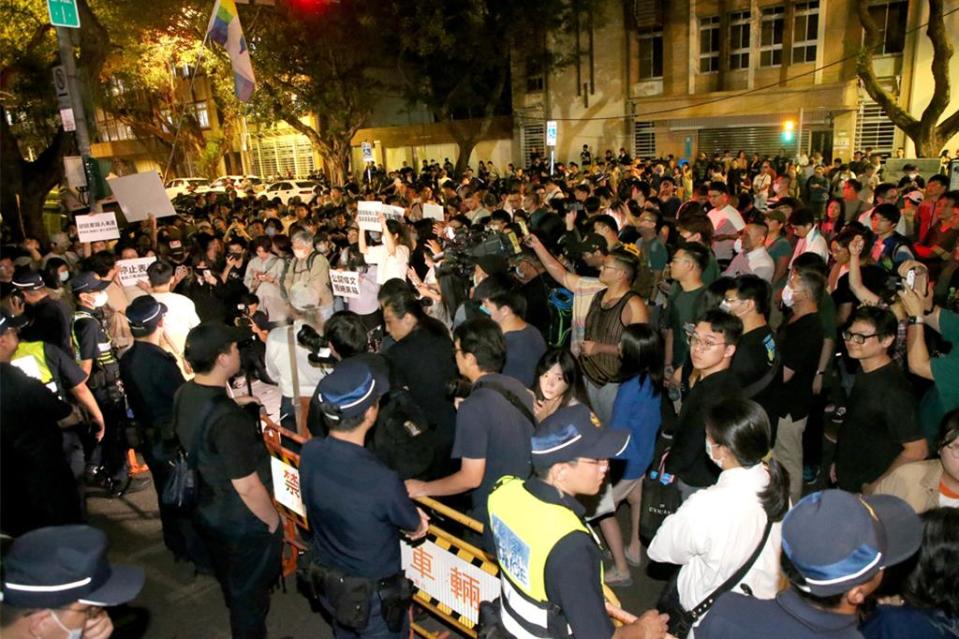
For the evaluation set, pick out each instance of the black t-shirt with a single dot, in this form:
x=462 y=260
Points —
x=356 y=508
x=524 y=348
x=36 y=485
x=881 y=415
x=210 y=301
x=536 y=291
x=49 y=322
x=232 y=449
x=687 y=457
x=873 y=277
x=801 y=344
x=151 y=378
x=489 y=427
x=755 y=356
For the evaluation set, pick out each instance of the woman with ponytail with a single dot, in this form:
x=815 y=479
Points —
x=718 y=529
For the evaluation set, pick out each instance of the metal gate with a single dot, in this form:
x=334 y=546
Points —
x=765 y=140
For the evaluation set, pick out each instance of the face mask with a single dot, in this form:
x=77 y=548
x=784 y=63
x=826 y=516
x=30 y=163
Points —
x=789 y=296
x=100 y=299
x=75 y=633
x=64 y=276
x=709 y=453
x=301 y=254
x=738 y=245
x=725 y=306
x=485 y=311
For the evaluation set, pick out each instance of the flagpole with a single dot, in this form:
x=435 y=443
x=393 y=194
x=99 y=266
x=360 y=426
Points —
x=179 y=125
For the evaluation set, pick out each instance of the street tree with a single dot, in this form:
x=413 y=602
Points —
x=315 y=65
x=927 y=132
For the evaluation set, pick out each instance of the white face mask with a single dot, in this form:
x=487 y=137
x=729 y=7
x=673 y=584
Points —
x=725 y=306
x=301 y=254
x=64 y=276
x=74 y=633
x=738 y=245
x=100 y=299
x=709 y=453
x=789 y=296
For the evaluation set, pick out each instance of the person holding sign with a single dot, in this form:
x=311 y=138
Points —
x=392 y=257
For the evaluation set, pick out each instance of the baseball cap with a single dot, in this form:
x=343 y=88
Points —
x=144 y=313
x=571 y=433
x=8 y=321
x=914 y=196
x=87 y=282
x=591 y=243
x=351 y=388
x=837 y=540
x=58 y=565
x=207 y=340
x=28 y=280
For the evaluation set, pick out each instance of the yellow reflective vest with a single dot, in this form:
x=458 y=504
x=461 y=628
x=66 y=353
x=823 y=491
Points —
x=525 y=530
x=32 y=360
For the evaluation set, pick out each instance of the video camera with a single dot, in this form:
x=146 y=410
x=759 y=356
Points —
x=320 y=354
x=468 y=245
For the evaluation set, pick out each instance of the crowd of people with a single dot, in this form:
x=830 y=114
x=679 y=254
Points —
x=764 y=343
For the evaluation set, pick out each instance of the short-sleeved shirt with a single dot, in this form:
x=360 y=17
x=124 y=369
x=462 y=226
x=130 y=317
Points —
x=655 y=253
x=800 y=343
x=881 y=415
x=356 y=508
x=49 y=322
x=523 y=350
x=945 y=371
x=232 y=449
x=726 y=221
x=489 y=427
x=755 y=354
x=684 y=307
x=777 y=250
x=151 y=378
x=389 y=266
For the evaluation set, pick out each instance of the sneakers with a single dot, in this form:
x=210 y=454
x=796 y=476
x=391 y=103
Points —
x=617 y=579
x=810 y=474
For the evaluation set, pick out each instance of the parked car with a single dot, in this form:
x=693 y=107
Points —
x=239 y=182
x=182 y=186
x=288 y=189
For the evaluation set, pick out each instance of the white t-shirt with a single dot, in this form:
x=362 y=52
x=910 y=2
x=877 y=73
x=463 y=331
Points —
x=180 y=317
x=726 y=221
x=389 y=266
x=814 y=242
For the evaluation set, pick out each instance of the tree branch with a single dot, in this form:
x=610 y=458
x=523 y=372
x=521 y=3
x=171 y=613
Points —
x=941 y=55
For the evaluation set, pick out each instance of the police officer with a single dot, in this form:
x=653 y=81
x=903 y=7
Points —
x=49 y=318
x=357 y=508
x=551 y=567
x=56 y=370
x=98 y=359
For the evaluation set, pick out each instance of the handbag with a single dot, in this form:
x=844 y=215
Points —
x=681 y=620
x=180 y=490
x=661 y=498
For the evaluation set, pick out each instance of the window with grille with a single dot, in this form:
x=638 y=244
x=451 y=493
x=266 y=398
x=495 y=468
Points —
x=534 y=141
x=644 y=140
x=874 y=128
x=651 y=55
x=709 y=44
x=890 y=17
x=805 y=32
x=771 y=37
x=535 y=80
x=739 y=40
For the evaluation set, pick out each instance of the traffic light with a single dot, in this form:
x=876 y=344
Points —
x=788 y=133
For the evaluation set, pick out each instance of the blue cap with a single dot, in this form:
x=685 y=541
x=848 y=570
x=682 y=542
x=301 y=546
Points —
x=9 y=321
x=837 y=540
x=28 y=280
x=144 y=313
x=87 y=282
x=59 y=565
x=573 y=432
x=351 y=388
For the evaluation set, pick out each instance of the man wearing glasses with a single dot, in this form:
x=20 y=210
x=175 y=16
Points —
x=881 y=431
x=57 y=583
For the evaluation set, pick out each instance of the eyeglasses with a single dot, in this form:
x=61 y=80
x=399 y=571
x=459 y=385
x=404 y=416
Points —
x=594 y=462
x=730 y=300
x=856 y=338
x=702 y=343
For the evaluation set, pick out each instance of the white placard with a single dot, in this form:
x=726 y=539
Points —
x=433 y=211
x=68 y=119
x=140 y=194
x=345 y=283
x=551 y=133
x=73 y=171
x=367 y=151
x=97 y=226
x=135 y=270
x=445 y=576
x=395 y=212
x=368 y=216
x=286 y=486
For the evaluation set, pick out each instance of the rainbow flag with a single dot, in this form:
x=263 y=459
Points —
x=225 y=29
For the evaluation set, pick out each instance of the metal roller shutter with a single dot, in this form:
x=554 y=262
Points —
x=764 y=140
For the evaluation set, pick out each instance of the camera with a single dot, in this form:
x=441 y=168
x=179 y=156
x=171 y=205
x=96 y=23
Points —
x=319 y=346
x=459 y=388
x=468 y=245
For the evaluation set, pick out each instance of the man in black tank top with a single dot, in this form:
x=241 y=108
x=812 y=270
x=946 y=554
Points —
x=611 y=311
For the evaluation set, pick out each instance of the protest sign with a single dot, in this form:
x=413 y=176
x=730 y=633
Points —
x=133 y=271
x=433 y=211
x=97 y=226
x=141 y=194
x=368 y=216
x=345 y=283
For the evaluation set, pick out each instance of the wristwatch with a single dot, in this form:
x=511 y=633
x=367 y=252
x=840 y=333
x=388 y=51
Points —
x=915 y=320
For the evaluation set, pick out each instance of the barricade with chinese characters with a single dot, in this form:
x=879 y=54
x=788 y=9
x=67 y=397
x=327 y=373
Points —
x=451 y=576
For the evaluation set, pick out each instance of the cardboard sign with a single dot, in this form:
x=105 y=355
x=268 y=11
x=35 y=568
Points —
x=444 y=575
x=368 y=214
x=345 y=283
x=286 y=486
x=133 y=271
x=141 y=194
x=433 y=211
x=97 y=226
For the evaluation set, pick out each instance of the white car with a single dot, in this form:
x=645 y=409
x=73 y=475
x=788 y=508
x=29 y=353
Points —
x=240 y=184
x=181 y=186
x=288 y=189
